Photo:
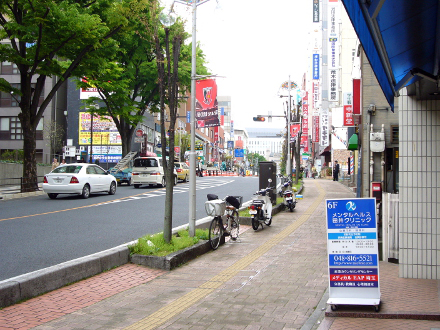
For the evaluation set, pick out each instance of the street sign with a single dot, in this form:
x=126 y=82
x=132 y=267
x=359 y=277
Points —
x=139 y=133
x=352 y=248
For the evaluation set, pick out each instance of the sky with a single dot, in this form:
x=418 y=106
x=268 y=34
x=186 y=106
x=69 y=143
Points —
x=254 y=46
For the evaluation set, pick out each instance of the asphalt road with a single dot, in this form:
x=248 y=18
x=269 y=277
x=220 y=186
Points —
x=37 y=232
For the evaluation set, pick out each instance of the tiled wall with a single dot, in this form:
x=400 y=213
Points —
x=419 y=205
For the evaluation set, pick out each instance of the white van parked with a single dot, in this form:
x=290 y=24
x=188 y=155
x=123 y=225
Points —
x=149 y=170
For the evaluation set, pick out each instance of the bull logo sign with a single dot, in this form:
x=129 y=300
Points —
x=207 y=96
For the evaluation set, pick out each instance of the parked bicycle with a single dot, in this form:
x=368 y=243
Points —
x=218 y=208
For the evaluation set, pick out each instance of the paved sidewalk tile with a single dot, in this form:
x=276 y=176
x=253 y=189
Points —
x=69 y=299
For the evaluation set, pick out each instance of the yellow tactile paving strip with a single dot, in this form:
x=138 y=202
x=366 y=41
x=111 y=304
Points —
x=176 y=307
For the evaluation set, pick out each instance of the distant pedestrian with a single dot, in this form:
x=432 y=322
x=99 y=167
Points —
x=63 y=162
x=55 y=164
x=336 y=171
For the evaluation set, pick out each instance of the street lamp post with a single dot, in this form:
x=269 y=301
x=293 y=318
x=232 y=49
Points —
x=192 y=155
x=288 y=169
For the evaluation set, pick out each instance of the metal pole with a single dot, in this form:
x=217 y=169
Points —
x=192 y=156
x=91 y=139
x=288 y=169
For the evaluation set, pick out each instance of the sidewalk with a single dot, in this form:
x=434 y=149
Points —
x=275 y=278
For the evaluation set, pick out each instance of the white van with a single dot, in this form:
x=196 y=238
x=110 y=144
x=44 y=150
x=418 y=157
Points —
x=149 y=170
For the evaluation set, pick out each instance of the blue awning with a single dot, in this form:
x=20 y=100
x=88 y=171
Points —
x=399 y=38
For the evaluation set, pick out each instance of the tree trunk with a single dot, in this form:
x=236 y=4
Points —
x=30 y=180
x=125 y=141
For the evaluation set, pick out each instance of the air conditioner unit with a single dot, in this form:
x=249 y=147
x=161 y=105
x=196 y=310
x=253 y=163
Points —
x=82 y=148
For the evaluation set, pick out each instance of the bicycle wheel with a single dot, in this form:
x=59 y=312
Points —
x=215 y=233
x=235 y=225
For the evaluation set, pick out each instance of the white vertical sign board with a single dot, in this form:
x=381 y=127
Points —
x=352 y=248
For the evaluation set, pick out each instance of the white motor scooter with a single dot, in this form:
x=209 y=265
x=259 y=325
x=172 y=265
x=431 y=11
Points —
x=289 y=195
x=261 y=208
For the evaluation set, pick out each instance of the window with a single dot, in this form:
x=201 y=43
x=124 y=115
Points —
x=10 y=129
x=394 y=134
x=99 y=170
x=9 y=68
x=13 y=100
x=67 y=169
x=10 y=100
x=16 y=130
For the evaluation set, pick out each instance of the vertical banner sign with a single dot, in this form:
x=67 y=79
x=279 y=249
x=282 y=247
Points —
x=206 y=103
x=232 y=130
x=315 y=102
x=348 y=109
x=324 y=129
x=294 y=130
x=315 y=129
x=316 y=66
x=333 y=65
x=222 y=116
x=315 y=11
x=304 y=141
x=352 y=247
x=305 y=122
x=356 y=96
x=215 y=151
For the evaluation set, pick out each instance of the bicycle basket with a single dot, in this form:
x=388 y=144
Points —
x=235 y=201
x=215 y=207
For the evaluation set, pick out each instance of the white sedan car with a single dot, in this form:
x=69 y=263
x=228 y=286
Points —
x=79 y=178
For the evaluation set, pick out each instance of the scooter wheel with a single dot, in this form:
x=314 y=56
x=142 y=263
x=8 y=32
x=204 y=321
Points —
x=291 y=207
x=268 y=222
x=255 y=224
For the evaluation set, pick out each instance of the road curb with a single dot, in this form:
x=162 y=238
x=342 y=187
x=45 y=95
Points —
x=30 y=285
x=172 y=260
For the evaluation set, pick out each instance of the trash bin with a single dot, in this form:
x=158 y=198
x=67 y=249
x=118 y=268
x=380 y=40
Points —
x=268 y=170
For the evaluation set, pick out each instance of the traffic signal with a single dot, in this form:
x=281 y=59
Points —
x=259 y=118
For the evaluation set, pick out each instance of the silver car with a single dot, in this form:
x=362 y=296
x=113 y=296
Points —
x=78 y=178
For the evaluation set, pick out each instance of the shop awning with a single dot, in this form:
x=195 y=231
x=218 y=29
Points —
x=327 y=149
x=400 y=39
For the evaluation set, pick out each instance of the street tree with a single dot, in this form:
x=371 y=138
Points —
x=53 y=39
x=170 y=60
x=168 y=66
x=53 y=133
x=183 y=140
x=128 y=85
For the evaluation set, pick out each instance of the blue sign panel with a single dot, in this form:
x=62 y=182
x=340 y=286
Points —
x=352 y=260
x=315 y=66
x=356 y=213
x=239 y=152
